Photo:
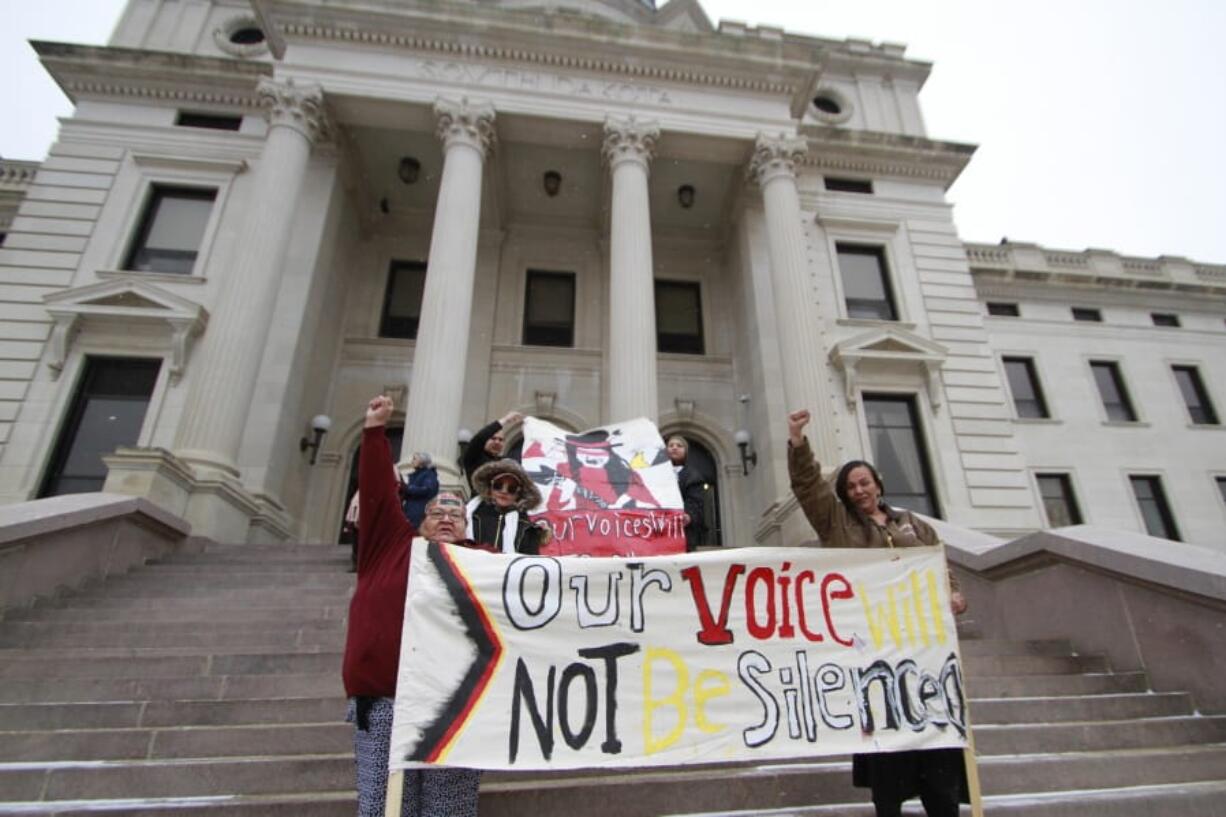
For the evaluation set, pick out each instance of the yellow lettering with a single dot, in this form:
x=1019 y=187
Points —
x=674 y=699
x=720 y=688
x=886 y=617
x=918 y=592
x=938 y=612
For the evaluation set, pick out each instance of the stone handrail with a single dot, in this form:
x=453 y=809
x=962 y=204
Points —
x=48 y=545
x=1146 y=603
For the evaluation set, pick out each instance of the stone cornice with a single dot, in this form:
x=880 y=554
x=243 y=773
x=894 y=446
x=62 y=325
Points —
x=873 y=153
x=16 y=175
x=99 y=71
x=559 y=41
x=1024 y=263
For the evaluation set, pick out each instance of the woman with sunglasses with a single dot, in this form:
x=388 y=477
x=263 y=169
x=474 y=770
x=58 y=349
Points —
x=498 y=514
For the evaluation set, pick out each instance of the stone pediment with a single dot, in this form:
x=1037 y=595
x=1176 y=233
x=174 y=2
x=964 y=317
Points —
x=125 y=301
x=891 y=349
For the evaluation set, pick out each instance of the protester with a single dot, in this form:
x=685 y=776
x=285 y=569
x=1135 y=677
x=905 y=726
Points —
x=376 y=613
x=418 y=488
x=487 y=444
x=850 y=513
x=498 y=515
x=693 y=489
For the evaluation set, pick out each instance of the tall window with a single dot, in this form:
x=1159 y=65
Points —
x=1059 y=501
x=406 y=284
x=171 y=229
x=1024 y=385
x=1111 y=388
x=866 y=284
x=1200 y=407
x=679 y=317
x=899 y=452
x=106 y=413
x=1151 y=499
x=549 y=309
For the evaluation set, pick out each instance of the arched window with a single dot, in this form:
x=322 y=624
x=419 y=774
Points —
x=395 y=436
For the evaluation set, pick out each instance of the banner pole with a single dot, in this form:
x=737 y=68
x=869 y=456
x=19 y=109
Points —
x=972 y=775
x=395 y=794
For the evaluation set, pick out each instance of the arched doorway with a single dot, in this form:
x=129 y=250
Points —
x=703 y=461
x=395 y=437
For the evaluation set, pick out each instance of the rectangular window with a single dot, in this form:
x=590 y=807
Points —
x=187 y=119
x=1151 y=499
x=899 y=452
x=171 y=229
x=679 y=317
x=1111 y=389
x=1059 y=502
x=1195 y=397
x=1164 y=319
x=549 y=309
x=866 y=284
x=1221 y=487
x=406 y=285
x=1003 y=309
x=106 y=412
x=1024 y=385
x=1085 y=313
x=848 y=185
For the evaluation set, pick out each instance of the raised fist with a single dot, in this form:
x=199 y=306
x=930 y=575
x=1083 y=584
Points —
x=378 y=411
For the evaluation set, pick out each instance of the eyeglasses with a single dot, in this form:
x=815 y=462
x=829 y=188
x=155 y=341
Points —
x=439 y=514
x=506 y=486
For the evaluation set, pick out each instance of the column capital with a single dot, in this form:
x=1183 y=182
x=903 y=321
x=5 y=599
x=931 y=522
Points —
x=629 y=140
x=775 y=156
x=465 y=122
x=300 y=107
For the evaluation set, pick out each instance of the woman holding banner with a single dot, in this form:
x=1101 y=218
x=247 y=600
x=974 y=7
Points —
x=376 y=615
x=850 y=513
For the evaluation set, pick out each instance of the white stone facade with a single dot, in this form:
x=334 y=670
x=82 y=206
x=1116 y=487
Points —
x=278 y=319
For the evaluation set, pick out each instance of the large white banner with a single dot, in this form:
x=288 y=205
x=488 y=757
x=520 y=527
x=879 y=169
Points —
x=539 y=662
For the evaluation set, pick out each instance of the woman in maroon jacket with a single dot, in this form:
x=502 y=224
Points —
x=376 y=614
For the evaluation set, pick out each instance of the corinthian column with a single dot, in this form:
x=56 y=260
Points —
x=800 y=347
x=436 y=389
x=228 y=360
x=631 y=390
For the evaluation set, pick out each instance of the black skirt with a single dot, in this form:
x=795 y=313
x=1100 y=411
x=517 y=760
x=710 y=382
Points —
x=899 y=776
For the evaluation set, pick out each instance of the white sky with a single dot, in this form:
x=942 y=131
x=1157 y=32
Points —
x=1100 y=123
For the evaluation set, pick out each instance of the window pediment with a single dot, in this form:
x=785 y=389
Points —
x=124 y=301
x=889 y=351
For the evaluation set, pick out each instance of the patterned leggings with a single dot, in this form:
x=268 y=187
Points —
x=427 y=792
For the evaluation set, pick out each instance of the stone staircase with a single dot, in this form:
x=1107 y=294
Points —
x=208 y=684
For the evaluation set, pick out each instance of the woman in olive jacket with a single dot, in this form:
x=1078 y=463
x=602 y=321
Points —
x=850 y=513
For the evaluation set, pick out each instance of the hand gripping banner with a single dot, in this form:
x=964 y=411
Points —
x=610 y=491
x=538 y=662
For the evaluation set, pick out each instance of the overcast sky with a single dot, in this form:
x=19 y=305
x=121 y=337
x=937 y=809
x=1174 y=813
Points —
x=1100 y=123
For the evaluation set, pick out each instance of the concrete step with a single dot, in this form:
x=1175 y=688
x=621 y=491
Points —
x=1101 y=707
x=993 y=739
x=195 y=612
x=179 y=742
x=1029 y=686
x=44 y=635
x=218 y=687
x=296 y=804
x=122 y=595
x=160 y=665
x=128 y=714
x=996 y=646
x=1183 y=799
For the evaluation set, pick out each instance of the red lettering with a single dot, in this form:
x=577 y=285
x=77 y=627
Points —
x=713 y=631
x=766 y=576
x=801 y=579
x=844 y=593
x=786 y=630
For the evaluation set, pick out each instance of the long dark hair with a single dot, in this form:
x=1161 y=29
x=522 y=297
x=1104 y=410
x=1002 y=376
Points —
x=840 y=486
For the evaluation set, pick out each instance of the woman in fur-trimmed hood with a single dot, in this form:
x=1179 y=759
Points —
x=498 y=514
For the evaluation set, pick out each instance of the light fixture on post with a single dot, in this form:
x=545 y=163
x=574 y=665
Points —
x=320 y=424
x=685 y=196
x=552 y=180
x=749 y=459
x=463 y=436
x=408 y=170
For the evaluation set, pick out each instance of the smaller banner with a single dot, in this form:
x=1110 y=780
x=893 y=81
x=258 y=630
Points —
x=534 y=662
x=610 y=491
